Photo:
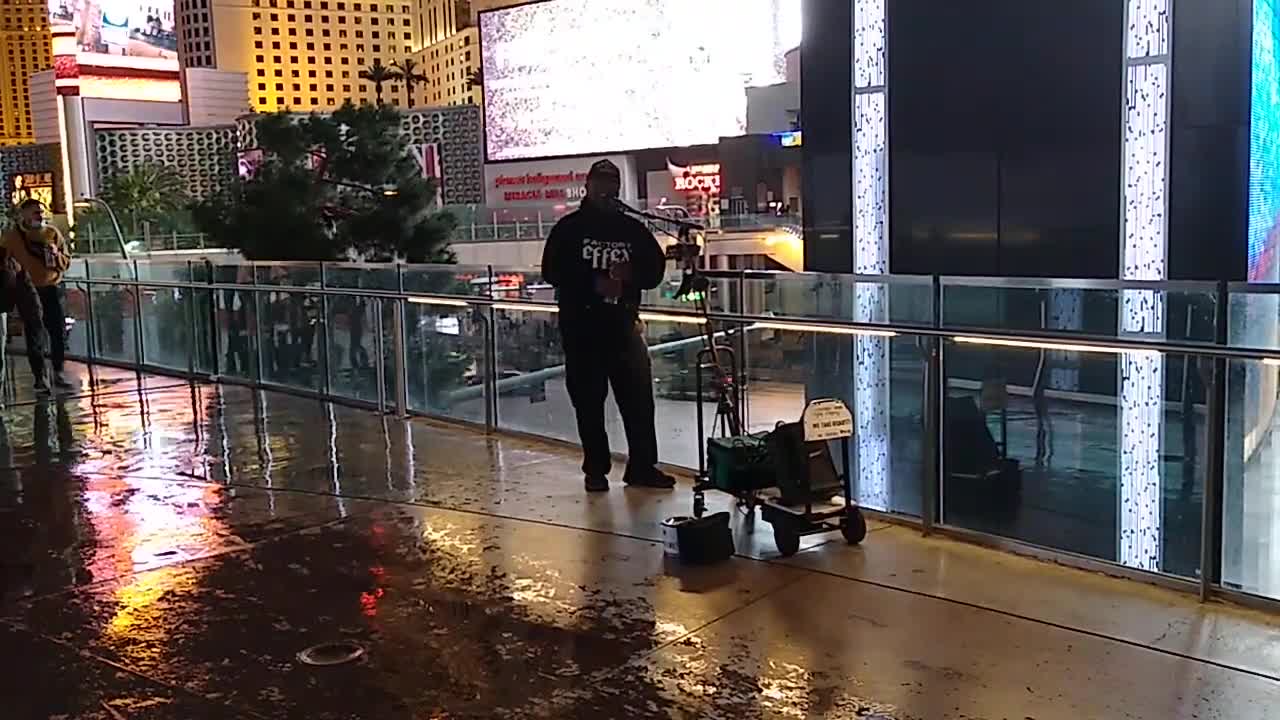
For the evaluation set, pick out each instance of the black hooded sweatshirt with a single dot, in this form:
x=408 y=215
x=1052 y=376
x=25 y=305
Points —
x=582 y=247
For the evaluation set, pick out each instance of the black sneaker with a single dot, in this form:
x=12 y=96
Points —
x=654 y=478
x=41 y=387
x=61 y=382
x=596 y=483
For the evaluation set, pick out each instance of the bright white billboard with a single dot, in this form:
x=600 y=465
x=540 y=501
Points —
x=575 y=77
x=120 y=28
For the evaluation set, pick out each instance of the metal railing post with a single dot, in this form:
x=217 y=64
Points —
x=1211 y=525
x=215 y=332
x=380 y=373
x=91 y=337
x=398 y=346
x=935 y=399
x=491 y=361
x=139 y=348
x=193 y=342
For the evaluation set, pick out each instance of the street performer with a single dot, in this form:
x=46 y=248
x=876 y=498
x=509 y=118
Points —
x=599 y=260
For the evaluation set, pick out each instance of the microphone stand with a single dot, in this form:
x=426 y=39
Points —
x=719 y=359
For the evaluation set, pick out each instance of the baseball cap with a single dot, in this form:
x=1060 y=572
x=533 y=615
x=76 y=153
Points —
x=604 y=168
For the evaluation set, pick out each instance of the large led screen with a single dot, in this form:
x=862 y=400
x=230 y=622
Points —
x=120 y=28
x=575 y=77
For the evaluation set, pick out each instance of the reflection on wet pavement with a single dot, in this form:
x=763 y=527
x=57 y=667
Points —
x=170 y=550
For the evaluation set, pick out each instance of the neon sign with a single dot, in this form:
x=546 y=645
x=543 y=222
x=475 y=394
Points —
x=697 y=178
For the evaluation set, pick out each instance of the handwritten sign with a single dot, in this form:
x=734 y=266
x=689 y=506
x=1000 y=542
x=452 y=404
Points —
x=827 y=420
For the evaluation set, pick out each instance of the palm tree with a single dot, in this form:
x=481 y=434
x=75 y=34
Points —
x=148 y=193
x=377 y=73
x=408 y=72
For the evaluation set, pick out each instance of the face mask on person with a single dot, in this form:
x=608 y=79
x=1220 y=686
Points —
x=35 y=225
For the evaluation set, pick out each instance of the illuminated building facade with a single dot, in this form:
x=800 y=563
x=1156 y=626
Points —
x=303 y=55
x=24 y=49
x=449 y=66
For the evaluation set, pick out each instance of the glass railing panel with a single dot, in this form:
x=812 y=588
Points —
x=289 y=333
x=76 y=307
x=1099 y=453
x=900 y=300
x=237 y=327
x=352 y=324
x=515 y=283
x=1186 y=312
x=114 y=308
x=1254 y=319
x=164 y=271
x=76 y=270
x=674 y=342
x=204 y=317
x=1251 y=493
x=288 y=274
x=445 y=350
x=231 y=273
x=460 y=280
x=382 y=277
x=109 y=268
x=166 y=327
x=722 y=293
x=880 y=378
x=529 y=365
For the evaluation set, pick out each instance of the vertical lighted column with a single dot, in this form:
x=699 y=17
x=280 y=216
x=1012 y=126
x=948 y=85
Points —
x=1144 y=234
x=73 y=143
x=871 y=248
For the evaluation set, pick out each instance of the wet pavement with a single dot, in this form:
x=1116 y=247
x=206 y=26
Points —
x=171 y=548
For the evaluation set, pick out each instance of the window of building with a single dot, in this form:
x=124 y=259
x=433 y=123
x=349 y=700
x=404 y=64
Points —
x=259 y=58
x=257 y=31
x=257 y=44
x=262 y=86
x=279 y=101
x=328 y=87
x=315 y=101
x=297 y=101
x=262 y=101
x=262 y=72
x=279 y=87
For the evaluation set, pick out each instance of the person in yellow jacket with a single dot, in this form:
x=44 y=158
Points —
x=42 y=254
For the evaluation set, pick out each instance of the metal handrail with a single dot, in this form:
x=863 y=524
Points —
x=939 y=329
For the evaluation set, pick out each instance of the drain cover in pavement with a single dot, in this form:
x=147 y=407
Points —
x=334 y=653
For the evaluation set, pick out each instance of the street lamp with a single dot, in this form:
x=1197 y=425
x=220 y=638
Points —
x=86 y=203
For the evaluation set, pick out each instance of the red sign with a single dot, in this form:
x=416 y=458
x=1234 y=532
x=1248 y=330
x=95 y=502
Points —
x=697 y=178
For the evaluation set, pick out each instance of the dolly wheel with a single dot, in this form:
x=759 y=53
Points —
x=853 y=526
x=787 y=540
